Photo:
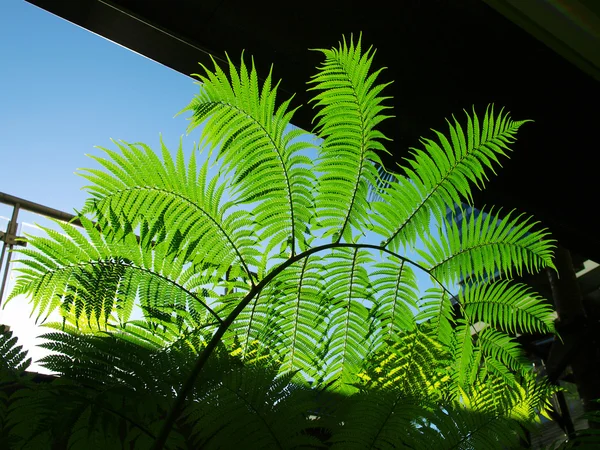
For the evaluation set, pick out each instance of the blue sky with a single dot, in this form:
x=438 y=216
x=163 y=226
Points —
x=65 y=90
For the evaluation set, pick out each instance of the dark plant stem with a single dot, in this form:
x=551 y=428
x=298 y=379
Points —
x=188 y=386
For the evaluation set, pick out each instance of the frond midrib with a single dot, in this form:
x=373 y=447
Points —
x=396 y=296
x=299 y=293
x=386 y=420
x=349 y=308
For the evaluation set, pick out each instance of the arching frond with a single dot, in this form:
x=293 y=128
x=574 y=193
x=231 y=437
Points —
x=512 y=307
x=350 y=108
x=256 y=143
x=442 y=175
x=485 y=247
x=138 y=187
x=242 y=301
x=94 y=275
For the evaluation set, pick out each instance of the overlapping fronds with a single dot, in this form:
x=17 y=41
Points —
x=388 y=419
x=435 y=307
x=396 y=297
x=13 y=364
x=441 y=175
x=137 y=186
x=96 y=275
x=523 y=401
x=111 y=392
x=288 y=317
x=459 y=428
x=110 y=360
x=349 y=330
x=485 y=247
x=350 y=107
x=382 y=419
x=252 y=408
x=268 y=159
x=512 y=307
x=267 y=261
x=415 y=363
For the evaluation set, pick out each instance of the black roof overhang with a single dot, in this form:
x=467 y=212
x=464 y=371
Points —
x=443 y=56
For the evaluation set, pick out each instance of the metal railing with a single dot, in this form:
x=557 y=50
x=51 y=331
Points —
x=9 y=237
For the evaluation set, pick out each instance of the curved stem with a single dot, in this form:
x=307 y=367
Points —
x=188 y=386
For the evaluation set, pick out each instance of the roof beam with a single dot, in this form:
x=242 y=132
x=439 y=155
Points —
x=566 y=26
x=115 y=23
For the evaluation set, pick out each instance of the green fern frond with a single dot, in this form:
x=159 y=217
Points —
x=350 y=108
x=141 y=187
x=256 y=144
x=511 y=307
x=349 y=330
x=465 y=356
x=435 y=307
x=502 y=348
x=108 y=274
x=396 y=298
x=485 y=246
x=13 y=361
x=442 y=175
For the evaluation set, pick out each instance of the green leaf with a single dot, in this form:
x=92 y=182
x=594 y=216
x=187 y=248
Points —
x=512 y=307
x=441 y=175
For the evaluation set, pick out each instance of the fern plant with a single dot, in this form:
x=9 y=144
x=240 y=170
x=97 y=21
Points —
x=273 y=257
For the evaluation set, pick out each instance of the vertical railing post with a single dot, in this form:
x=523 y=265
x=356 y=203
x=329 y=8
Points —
x=8 y=240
